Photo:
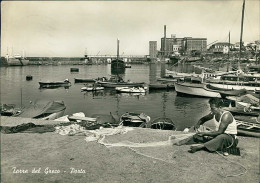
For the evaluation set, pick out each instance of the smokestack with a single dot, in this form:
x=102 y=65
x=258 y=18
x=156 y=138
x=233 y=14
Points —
x=164 y=40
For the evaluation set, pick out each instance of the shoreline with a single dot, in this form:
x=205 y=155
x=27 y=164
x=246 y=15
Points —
x=50 y=157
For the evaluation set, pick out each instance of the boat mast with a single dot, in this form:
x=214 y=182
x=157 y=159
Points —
x=228 y=51
x=117 y=57
x=241 y=33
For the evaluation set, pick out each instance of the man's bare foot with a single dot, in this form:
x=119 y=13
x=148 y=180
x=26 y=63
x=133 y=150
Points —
x=195 y=148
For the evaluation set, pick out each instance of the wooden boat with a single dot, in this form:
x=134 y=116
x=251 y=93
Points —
x=130 y=89
x=116 y=81
x=92 y=88
x=246 y=105
x=225 y=92
x=161 y=86
x=53 y=84
x=162 y=124
x=194 y=87
x=134 y=119
x=84 y=80
x=10 y=110
x=237 y=82
x=245 y=128
x=46 y=110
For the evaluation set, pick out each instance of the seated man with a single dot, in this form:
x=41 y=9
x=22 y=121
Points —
x=223 y=137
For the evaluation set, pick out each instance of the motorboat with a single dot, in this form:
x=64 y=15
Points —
x=131 y=89
x=134 y=119
x=92 y=88
x=54 y=84
x=117 y=81
x=194 y=87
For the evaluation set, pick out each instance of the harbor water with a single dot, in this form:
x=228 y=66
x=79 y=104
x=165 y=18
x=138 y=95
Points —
x=184 y=111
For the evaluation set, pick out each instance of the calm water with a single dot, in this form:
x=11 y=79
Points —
x=182 y=110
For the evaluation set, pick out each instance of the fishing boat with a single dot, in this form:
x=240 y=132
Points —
x=84 y=80
x=237 y=82
x=131 y=89
x=92 y=88
x=117 y=81
x=194 y=87
x=162 y=124
x=117 y=65
x=54 y=84
x=134 y=119
x=44 y=110
x=225 y=92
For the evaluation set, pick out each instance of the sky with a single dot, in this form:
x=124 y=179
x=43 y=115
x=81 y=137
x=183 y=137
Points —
x=71 y=28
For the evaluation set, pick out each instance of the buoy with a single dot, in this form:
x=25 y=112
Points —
x=74 y=69
x=29 y=77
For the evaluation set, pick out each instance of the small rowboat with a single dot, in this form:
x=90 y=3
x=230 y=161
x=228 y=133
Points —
x=54 y=84
x=91 y=88
x=130 y=89
x=163 y=124
x=84 y=80
x=134 y=119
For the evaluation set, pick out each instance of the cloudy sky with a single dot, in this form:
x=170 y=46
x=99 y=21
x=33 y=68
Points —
x=67 y=28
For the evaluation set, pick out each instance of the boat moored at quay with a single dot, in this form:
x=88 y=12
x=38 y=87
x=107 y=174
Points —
x=194 y=87
x=16 y=60
x=237 y=82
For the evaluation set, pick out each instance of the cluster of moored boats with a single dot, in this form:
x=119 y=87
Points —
x=239 y=90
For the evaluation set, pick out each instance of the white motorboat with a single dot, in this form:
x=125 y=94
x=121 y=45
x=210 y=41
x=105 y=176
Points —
x=194 y=88
x=131 y=89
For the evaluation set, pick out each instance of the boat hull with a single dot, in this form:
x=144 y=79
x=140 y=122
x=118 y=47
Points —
x=17 y=62
x=119 y=84
x=54 y=84
x=225 y=92
x=84 y=80
x=92 y=88
x=235 y=87
x=194 y=90
x=161 y=86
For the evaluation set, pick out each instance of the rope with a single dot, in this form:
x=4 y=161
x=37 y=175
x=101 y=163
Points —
x=151 y=156
x=235 y=175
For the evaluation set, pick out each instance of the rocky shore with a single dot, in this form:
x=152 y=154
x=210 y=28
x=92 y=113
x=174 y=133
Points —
x=50 y=157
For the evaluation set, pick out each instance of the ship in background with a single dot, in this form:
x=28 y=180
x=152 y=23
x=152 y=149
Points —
x=117 y=65
x=16 y=60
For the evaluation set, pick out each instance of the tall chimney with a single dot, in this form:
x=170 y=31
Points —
x=164 y=40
